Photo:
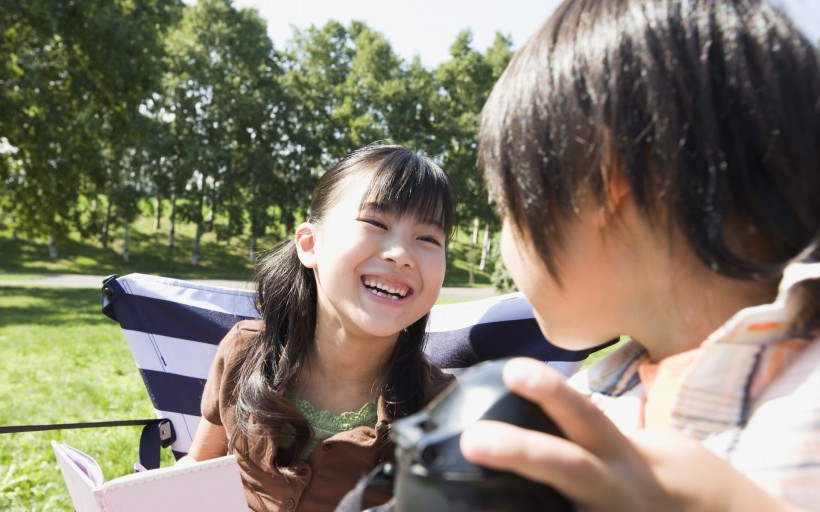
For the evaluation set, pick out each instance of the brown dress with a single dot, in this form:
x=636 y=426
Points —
x=333 y=467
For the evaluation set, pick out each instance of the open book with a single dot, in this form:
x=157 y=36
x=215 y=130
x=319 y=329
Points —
x=202 y=486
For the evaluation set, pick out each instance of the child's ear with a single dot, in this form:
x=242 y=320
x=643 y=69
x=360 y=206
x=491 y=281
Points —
x=619 y=187
x=619 y=191
x=305 y=242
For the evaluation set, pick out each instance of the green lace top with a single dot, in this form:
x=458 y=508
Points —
x=325 y=424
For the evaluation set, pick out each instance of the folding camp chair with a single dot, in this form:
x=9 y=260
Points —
x=173 y=328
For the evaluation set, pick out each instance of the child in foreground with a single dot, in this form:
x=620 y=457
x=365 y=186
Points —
x=306 y=395
x=656 y=165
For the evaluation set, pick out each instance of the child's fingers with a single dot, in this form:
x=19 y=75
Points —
x=581 y=421
x=573 y=471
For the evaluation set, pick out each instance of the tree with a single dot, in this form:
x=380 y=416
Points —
x=261 y=126
x=75 y=74
x=465 y=83
x=410 y=101
x=318 y=62
x=224 y=103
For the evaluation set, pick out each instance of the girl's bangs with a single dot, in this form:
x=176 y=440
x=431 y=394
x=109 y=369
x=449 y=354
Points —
x=413 y=187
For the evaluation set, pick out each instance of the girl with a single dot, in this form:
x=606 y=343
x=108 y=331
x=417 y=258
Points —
x=657 y=167
x=305 y=396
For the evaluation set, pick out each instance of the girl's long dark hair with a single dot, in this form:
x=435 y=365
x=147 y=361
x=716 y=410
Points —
x=402 y=182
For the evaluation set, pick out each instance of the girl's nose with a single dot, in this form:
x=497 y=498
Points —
x=399 y=255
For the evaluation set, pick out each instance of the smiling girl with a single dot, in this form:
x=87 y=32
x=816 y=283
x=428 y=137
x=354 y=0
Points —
x=306 y=395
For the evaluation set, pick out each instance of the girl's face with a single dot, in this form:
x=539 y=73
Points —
x=376 y=272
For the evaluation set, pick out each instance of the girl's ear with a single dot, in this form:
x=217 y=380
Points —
x=305 y=242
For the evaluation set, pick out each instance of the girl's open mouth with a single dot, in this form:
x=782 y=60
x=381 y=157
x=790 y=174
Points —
x=383 y=288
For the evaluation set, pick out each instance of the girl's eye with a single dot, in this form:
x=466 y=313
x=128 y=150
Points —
x=375 y=222
x=430 y=239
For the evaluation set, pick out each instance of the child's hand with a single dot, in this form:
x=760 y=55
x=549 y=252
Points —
x=600 y=468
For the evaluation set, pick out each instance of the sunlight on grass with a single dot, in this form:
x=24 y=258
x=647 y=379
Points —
x=63 y=361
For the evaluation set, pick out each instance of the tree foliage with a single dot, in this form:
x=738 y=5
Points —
x=74 y=74
x=109 y=103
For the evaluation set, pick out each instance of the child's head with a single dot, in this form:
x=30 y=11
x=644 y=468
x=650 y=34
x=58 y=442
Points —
x=381 y=181
x=376 y=238
x=399 y=182
x=709 y=110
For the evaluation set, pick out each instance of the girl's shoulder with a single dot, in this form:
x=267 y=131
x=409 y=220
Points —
x=239 y=338
x=249 y=327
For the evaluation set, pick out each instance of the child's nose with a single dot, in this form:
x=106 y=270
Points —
x=398 y=254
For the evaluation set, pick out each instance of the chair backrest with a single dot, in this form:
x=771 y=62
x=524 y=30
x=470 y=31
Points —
x=173 y=328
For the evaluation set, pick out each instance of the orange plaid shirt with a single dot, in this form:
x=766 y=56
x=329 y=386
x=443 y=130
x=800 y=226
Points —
x=750 y=393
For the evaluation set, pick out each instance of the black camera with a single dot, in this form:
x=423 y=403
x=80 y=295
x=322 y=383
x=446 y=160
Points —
x=432 y=475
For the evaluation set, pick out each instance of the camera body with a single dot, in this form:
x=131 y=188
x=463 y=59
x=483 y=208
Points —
x=431 y=472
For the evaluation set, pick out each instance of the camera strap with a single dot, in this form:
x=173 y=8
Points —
x=381 y=476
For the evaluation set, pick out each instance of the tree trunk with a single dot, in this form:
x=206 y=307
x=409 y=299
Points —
x=475 y=231
x=106 y=226
x=158 y=218
x=200 y=229
x=52 y=247
x=485 y=247
x=211 y=218
x=125 y=256
x=173 y=221
x=471 y=254
x=252 y=251
x=195 y=251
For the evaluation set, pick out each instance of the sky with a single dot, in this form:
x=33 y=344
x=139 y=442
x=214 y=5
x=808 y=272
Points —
x=427 y=28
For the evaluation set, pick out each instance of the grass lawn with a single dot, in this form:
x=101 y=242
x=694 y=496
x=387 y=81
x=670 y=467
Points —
x=148 y=251
x=62 y=361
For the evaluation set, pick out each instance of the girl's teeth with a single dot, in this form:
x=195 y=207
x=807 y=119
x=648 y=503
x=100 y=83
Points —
x=381 y=294
x=383 y=290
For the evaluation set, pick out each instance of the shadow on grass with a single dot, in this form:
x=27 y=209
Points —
x=149 y=254
x=50 y=306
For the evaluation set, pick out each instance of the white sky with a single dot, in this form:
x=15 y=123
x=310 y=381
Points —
x=427 y=28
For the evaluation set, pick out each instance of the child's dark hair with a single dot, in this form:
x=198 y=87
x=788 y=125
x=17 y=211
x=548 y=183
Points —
x=710 y=108
x=404 y=183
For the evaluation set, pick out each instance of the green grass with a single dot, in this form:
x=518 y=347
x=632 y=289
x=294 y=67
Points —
x=149 y=253
x=595 y=356
x=62 y=361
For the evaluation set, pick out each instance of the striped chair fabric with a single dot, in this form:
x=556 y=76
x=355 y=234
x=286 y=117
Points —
x=173 y=328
